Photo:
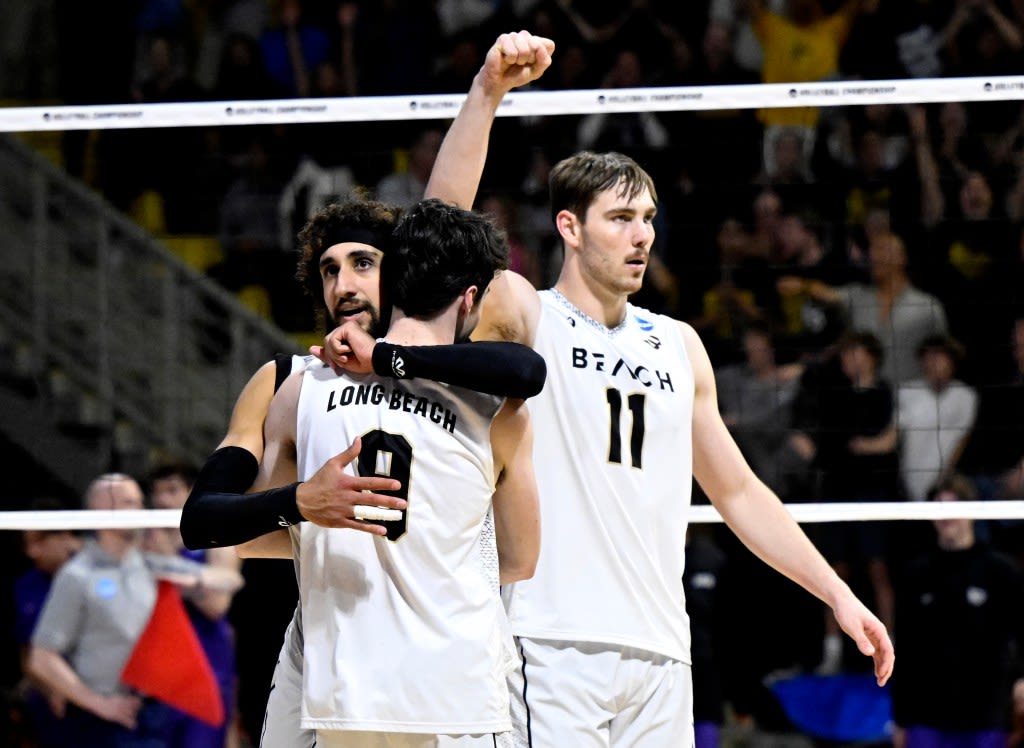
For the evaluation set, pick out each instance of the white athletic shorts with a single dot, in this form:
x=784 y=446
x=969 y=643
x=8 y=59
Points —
x=282 y=720
x=588 y=695
x=281 y=726
x=357 y=739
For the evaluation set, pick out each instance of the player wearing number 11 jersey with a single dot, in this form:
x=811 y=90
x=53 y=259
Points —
x=628 y=417
x=620 y=399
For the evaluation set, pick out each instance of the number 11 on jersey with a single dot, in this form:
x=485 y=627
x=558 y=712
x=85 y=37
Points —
x=635 y=403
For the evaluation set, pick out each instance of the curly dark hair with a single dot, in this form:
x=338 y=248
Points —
x=357 y=215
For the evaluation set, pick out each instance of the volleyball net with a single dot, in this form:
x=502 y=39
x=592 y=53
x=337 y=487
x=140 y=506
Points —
x=753 y=180
x=516 y=104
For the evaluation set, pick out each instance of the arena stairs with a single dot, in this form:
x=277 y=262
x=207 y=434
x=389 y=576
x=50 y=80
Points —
x=114 y=350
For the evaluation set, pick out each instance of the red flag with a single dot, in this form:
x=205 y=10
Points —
x=169 y=664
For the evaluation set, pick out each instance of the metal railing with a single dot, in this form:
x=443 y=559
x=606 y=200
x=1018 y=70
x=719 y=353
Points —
x=148 y=345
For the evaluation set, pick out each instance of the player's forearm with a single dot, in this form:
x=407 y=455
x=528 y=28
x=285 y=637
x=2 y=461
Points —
x=764 y=525
x=517 y=562
x=277 y=544
x=218 y=512
x=460 y=161
x=496 y=368
x=517 y=535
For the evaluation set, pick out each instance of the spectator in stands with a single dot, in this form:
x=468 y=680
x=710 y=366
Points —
x=404 y=187
x=98 y=607
x=629 y=132
x=875 y=179
x=971 y=250
x=994 y=458
x=982 y=39
x=342 y=61
x=810 y=325
x=908 y=39
x=223 y=23
x=787 y=171
x=292 y=49
x=241 y=74
x=959 y=147
x=169 y=487
x=898 y=313
x=717 y=64
x=455 y=16
x=47 y=550
x=767 y=210
x=459 y=63
x=961 y=634
x=730 y=305
x=855 y=450
x=731 y=149
x=934 y=417
x=802 y=46
x=733 y=14
x=755 y=399
x=887 y=122
x=249 y=232
x=172 y=154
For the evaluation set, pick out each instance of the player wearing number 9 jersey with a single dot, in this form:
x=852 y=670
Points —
x=403 y=633
x=405 y=642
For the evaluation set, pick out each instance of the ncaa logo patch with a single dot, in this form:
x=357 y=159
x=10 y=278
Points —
x=106 y=588
x=645 y=324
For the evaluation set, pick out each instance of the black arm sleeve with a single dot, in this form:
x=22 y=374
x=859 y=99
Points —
x=218 y=512
x=504 y=369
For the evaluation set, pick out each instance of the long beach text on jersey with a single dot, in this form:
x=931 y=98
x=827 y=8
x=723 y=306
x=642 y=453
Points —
x=396 y=399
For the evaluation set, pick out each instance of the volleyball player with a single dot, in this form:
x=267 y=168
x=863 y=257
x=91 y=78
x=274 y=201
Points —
x=217 y=512
x=627 y=419
x=404 y=637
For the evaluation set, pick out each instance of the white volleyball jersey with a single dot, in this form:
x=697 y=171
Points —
x=402 y=633
x=292 y=646
x=613 y=458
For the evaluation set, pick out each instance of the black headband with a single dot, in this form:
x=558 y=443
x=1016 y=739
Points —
x=377 y=239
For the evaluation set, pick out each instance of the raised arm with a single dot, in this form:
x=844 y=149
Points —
x=515 y=501
x=514 y=60
x=760 y=520
x=932 y=200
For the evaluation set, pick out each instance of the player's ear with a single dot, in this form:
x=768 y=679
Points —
x=568 y=226
x=469 y=298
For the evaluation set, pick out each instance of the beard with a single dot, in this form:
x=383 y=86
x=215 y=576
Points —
x=374 y=323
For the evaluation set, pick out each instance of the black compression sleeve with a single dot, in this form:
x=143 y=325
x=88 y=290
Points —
x=505 y=369
x=218 y=512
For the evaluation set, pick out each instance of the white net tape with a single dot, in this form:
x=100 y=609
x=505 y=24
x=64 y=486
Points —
x=516 y=104
x=90 y=519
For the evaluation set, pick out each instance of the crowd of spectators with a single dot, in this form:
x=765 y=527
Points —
x=857 y=273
